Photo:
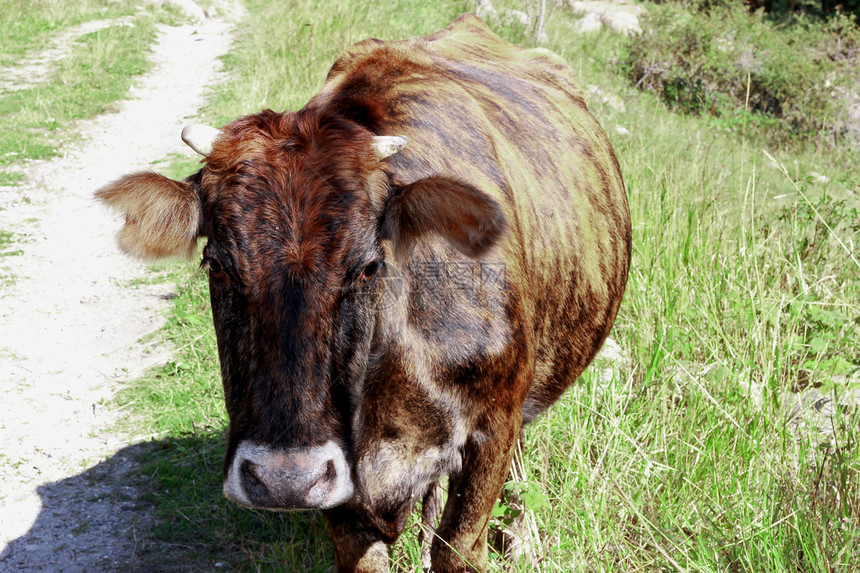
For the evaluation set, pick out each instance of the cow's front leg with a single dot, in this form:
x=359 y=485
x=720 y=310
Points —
x=519 y=540
x=358 y=545
x=431 y=511
x=460 y=544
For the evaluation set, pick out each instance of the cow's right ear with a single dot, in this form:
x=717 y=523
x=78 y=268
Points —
x=162 y=217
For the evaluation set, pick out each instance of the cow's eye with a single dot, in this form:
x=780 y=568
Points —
x=370 y=270
x=215 y=268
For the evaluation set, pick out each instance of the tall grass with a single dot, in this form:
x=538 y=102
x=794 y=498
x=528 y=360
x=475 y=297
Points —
x=744 y=290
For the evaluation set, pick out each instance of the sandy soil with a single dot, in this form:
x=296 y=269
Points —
x=72 y=320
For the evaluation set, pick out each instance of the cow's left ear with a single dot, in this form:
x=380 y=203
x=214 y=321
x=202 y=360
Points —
x=469 y=218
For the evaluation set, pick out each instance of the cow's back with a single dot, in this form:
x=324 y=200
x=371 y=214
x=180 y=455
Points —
x=511 y=122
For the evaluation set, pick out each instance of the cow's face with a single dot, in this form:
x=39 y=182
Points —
x=302 y=226
x=291 y=210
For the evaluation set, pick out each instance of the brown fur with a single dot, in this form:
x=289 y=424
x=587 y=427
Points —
x=416 y=311
x=455 y=210
x=162 y=216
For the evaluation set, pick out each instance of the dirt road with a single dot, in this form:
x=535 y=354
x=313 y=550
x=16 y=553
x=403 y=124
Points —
x=72 y=319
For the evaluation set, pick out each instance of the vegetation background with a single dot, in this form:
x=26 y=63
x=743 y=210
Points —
x=724 y=435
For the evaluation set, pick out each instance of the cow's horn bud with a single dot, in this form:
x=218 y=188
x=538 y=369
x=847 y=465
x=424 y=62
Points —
x=200 y=138
x=387 y=145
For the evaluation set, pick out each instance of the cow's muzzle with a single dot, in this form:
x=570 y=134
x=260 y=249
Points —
x=299 y=478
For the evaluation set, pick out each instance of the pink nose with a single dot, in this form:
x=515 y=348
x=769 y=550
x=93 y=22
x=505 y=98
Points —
x=299 y=478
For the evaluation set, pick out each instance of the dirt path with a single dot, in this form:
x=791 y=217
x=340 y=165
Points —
x=37 y=68
x=71 y=322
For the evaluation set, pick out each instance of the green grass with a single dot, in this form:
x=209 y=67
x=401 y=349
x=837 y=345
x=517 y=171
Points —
x=6 y=240
x=27 y=25
x=7 y=249
x=744 y=285
x=97 y=73
x=283 y=62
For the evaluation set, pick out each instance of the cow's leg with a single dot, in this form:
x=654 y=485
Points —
x=518 y=541
x=460 y=544
x=431 y=511
x=358 y=547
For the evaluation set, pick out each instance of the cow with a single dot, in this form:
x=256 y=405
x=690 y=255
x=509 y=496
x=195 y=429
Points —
x=402 y=274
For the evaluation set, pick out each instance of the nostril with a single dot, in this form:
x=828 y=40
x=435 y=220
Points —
x=253 y=484
x=326 y=479
x=330 y=471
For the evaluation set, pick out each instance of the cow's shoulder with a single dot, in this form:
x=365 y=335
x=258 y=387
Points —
x=467 y=55
x=466 y=30
x=471 y=48
x=378 y=62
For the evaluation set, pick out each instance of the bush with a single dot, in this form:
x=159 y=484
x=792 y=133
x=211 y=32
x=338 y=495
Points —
x=816 y=8
x=812 y=7
x=743 y=67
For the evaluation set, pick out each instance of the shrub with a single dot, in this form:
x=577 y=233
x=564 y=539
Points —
x=816 y=8
x=812 y=7
x=743 y=67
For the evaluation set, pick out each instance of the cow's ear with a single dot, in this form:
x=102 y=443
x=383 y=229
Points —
x=162 y=216
x=469 y=218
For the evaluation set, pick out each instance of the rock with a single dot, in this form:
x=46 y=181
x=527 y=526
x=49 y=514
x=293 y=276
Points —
x=611 y=100
x=589 y=23
x=816 y=412
x=518 y=17
x=609 y=362
x=485 y=11
x=620 y=17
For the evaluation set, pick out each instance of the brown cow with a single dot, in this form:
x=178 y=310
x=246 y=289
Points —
x=389 y=314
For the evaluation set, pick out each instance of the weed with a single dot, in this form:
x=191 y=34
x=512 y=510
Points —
x=81 y=528
x=6 y=240
x=10 y=179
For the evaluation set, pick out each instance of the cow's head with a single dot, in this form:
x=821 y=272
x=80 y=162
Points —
x=302 y=223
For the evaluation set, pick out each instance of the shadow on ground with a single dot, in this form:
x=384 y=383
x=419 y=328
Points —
x=157 y=506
